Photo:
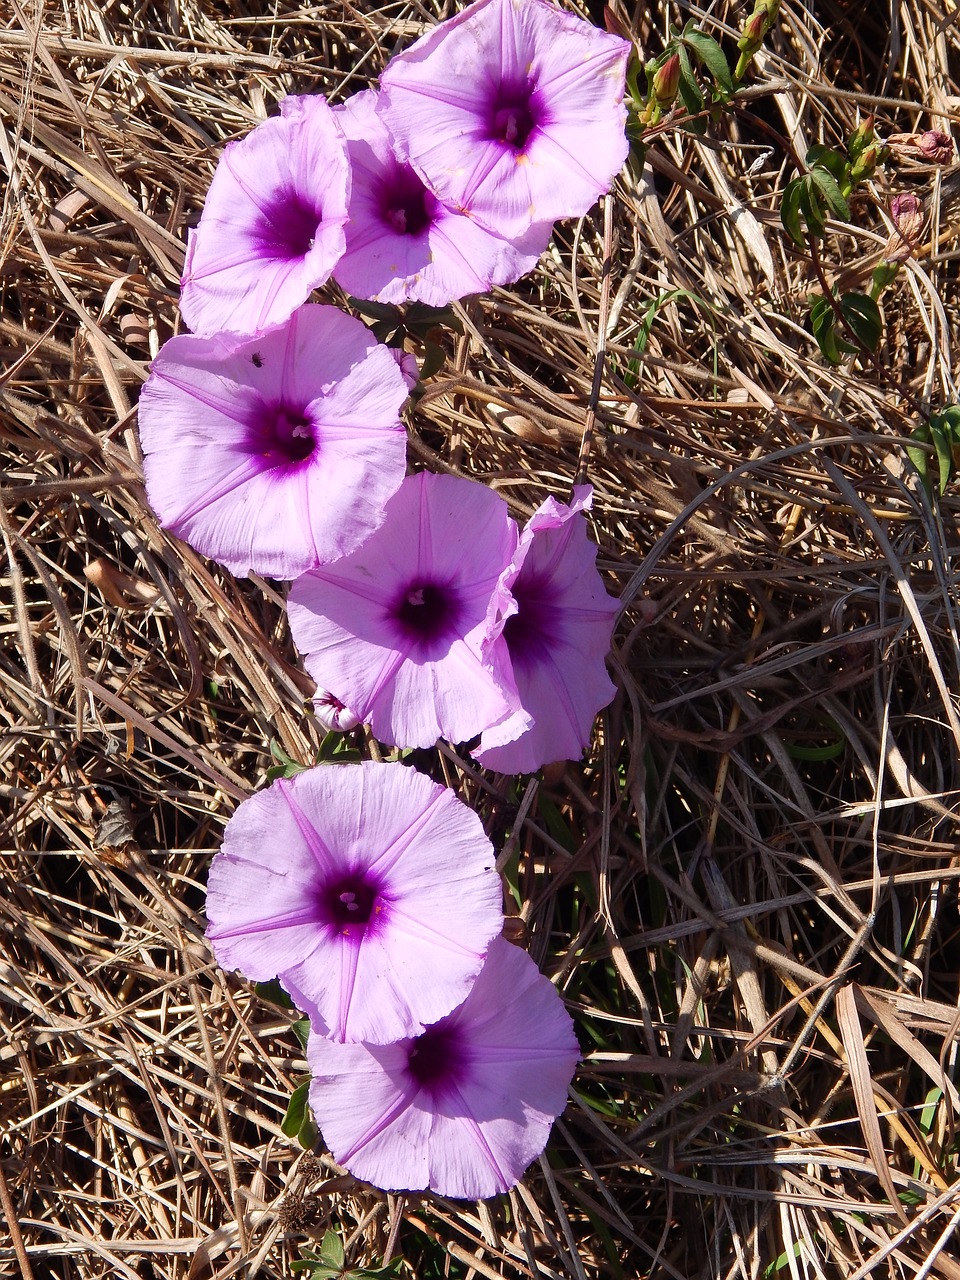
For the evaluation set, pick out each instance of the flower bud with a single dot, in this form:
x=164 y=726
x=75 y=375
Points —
x=332 y=714
x=865 y=163
x=862 y=137
x=666 y=80
x=929 y=147
x=754 y=29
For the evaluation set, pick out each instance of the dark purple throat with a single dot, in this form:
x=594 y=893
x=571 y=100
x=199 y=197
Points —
x=282 y=435
x=530 y=633
x=439 y=1060
x=287 y=227
x=406 y=206
x=514 y=115
x=352 y=904
x=427 y=615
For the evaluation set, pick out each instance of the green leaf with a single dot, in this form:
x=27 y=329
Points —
x=811 y=207
x=292 y=1121
x=823 y=157
x=331 y=1251
x=823 y=322
x=433 y=359
x=790 y=212
x=420 y=319
x=301 y=1029
x=274 y=993
x=287 y=768
x=863 y=316
x=827 y=185
x=690 y=94
x=711 y=55
x=944 y=453
x=918 y=456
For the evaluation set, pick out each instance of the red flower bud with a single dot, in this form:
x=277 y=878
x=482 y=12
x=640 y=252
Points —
x=666 y=81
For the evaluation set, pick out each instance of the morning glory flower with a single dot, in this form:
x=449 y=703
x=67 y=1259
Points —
x=463 y=1108
x=395 y=628
x=404 y=244
x=276 y=453
x=549 y=632
x=512 y=112
x=367 y=890
x=272 y=224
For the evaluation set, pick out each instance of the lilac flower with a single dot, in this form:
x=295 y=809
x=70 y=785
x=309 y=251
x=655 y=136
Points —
x=402 y=242
x=368 y=890
x=396 y=627
x=272 y=224
x=276 y=453
x=549 y=632
x=512 y=111
x=464 y=1107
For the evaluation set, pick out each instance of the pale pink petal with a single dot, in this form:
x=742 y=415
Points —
x=276 y=453
x=368 y=890
x=512 y=111
x=402 y=243
x=272 y=224
x=549 y=629
x=396 y=627
x=464 y=1108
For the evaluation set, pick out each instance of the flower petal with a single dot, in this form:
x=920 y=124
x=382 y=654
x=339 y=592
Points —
x=270 y=231
x=277 y=453
x=396 y=626
x=380 y=840
x=549 y=627
x=511 y=111
x=472 y=1123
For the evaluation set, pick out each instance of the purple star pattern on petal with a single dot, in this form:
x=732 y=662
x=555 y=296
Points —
x=550 y=627
x=272 y=224
x=465 y=1107
x=512 y=111
x=396 y=627
x=403 y=244
x=277 y=453
x=368 y=890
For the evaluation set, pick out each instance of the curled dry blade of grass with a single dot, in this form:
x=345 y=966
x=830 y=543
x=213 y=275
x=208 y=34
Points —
x=765 y=823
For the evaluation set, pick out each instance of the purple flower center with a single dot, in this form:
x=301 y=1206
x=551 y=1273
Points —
x=427 y=614
x=406 y=205
x=532 y=631
x=352 y=904
x=287 y=227
x=438 y=1060
x=513 y=115
x=282 y=435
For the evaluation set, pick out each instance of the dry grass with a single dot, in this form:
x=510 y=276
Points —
x=747 y=890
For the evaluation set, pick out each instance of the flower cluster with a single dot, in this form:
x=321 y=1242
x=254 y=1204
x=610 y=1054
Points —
x=440 y=1055
x=273 y=442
